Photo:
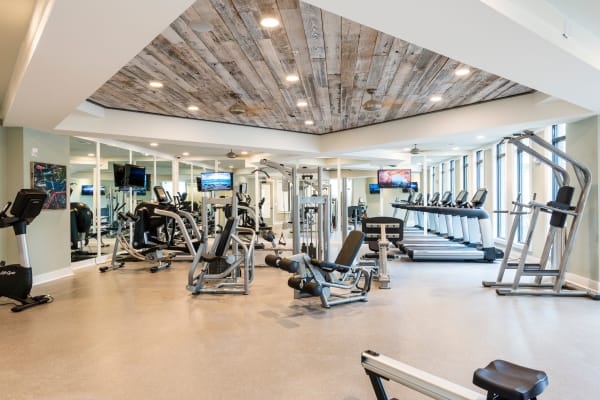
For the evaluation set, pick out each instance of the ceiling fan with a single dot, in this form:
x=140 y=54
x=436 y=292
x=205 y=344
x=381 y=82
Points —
x=231 y=154
x=415 y=150
x=375 y=105
x=240 y=108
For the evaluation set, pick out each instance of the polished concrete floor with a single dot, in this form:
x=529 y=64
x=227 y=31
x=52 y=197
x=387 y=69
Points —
x=131 y=334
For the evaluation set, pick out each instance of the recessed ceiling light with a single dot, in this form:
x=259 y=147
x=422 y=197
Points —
x=91 y=154
x=156 y=84
x=309 y=122
x=185 y=154
x=292 y=78
x=302 y=103
x=406 y=149
x=231 y=166
x=456 y=148
x=462 y=71
x=243 y=153
x=269 y=22
x=435 y=99
x=154 y=144
x=480 y=137
x=193 y=108
x=146 y=154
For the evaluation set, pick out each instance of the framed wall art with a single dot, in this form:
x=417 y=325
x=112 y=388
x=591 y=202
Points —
x=52 y=179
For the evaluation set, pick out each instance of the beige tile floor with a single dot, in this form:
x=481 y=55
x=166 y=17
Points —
x=135 y=335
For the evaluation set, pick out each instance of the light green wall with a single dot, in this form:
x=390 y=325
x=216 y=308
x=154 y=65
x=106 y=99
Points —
x=4 y=233
x=582 y=143
x=48 y=235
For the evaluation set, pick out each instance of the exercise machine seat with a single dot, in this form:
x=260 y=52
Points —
x=510 y=381
x=350 y=248
x=329 y=266
x=346 y=256
x=223 y=243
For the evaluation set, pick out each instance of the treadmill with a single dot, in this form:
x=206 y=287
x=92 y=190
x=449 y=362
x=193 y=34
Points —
x=438 y=230
x=485 y=252
x=453 y=227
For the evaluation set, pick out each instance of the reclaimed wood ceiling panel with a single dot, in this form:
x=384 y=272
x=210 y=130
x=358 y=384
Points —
x=336 y=59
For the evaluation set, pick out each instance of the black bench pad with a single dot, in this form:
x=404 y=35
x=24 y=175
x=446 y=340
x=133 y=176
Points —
x=510 y=381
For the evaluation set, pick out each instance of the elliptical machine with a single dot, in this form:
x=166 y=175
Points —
x=16 y=279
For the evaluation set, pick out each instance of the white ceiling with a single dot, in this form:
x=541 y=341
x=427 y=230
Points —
x=519 y=40
x=14 y=22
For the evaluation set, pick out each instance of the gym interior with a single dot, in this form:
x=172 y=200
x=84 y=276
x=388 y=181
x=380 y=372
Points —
x=283 y=198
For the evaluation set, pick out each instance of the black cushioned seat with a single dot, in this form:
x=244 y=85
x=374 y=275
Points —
x=330 y=267
x=510 y=381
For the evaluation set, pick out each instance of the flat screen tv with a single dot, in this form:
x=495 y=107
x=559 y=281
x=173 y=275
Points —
x=393 y=178
x=135 y=176
x=373 y=188
x=414 y=186
x=148 y=181
x=119 y=174
x=88 y=190
x=209 y=181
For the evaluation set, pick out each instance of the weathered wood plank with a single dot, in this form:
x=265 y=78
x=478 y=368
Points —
x=336 y=60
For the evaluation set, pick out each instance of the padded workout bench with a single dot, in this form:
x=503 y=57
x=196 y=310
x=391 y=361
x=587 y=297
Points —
x=380 y=233
x=318 y=278
x=502 y=380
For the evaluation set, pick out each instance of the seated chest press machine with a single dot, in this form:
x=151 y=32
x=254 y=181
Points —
x=223 y=269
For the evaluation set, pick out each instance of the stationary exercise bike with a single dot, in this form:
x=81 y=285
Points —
x=16 y=279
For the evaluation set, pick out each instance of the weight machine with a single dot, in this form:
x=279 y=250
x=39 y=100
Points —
x=319 y=205
x=223 y=269
x=564 y=223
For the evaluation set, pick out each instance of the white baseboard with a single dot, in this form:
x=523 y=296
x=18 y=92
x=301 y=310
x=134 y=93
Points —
x=90 y=262
x=52 y=275
x=582 y=282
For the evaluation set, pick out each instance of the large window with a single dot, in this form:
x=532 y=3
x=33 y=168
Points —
x=451 y=176
x=523 y=189
x=442 y=177
x=465 y=174
x=501 y=189
x=559 y=140
x=479 y=169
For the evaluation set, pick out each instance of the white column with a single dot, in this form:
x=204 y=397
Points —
x=98 y=200
x=338 y=206
x=175 y=176
x=425 y=192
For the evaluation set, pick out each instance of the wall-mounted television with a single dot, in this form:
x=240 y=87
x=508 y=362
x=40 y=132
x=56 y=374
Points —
x=119 y=174
x=393 y=178
x=373 y=188
x=414 y=186
x=135 y=176
x=88 y=190
x=209 y=181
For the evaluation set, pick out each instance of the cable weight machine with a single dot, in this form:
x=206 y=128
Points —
x=317 y=204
